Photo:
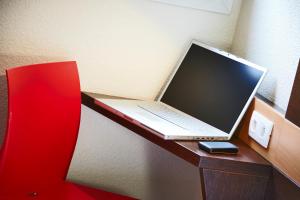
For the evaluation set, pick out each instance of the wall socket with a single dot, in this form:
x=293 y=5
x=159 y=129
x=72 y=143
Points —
x=260 y=129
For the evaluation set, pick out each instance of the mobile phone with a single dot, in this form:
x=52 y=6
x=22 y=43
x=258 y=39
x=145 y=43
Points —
x=218 y=147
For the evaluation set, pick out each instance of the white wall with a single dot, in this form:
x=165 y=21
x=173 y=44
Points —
x=268 y=34
x=123 y=47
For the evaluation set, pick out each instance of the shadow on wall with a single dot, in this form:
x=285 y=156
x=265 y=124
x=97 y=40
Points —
x=170 y=177
x=244 y=31
x=7 y=61
x=243 y=47
x=113 y=158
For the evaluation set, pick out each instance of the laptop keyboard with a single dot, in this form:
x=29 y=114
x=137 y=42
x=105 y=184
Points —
x=177 y=118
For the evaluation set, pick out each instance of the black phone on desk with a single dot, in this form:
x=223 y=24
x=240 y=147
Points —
x=218 y=147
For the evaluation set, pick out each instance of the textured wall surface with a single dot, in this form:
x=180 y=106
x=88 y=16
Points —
x=123 y=47
x=268 y=34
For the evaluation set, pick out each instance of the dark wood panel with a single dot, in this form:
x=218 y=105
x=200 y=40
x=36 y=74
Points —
x=220 y=185
x=281 y=188
x=235 y=167
x=293 y=110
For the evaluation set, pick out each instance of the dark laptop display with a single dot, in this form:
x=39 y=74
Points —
x=211 y=87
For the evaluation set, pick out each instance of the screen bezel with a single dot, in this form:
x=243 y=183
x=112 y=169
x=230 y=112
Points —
x=228 y=55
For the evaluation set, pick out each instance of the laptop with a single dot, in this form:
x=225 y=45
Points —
x=205 y=97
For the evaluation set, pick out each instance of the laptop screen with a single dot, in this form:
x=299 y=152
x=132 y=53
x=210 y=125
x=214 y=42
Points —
x=211 y=87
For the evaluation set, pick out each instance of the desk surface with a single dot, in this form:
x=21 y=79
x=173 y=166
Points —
x=246 y=161
x=246 y=175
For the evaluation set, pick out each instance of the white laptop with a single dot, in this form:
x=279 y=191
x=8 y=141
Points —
x=204 y=99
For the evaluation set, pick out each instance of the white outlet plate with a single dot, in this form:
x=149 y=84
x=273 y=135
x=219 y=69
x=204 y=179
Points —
x=260 y=128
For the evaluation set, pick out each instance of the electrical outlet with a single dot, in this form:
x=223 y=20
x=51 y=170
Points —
x=260 y=128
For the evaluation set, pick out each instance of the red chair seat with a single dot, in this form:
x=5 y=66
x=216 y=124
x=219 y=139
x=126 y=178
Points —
x=64 y=191
x=44 y=105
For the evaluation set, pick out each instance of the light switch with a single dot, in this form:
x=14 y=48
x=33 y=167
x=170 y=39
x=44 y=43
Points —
x=260 y=128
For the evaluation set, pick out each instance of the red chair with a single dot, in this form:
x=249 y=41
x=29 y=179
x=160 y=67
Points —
x=44 y=103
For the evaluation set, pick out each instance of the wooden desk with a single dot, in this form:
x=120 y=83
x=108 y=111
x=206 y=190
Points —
x=242 y=176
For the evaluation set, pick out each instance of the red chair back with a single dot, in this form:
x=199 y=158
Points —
x=44 y=114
